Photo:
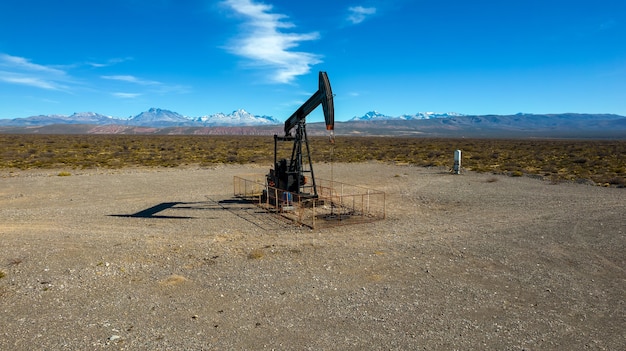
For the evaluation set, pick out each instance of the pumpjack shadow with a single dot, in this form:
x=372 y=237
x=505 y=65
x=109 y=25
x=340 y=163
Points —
x=152 y=212
x=238 y=207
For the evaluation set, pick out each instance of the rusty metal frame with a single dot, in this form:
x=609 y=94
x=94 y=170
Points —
x=337 y=203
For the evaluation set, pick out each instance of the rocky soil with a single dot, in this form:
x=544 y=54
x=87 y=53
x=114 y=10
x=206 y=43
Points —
x=470 y=261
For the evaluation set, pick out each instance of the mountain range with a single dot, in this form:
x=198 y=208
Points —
x=521 y=125
x=154 y=117
x=373 y=123
x=377 y=116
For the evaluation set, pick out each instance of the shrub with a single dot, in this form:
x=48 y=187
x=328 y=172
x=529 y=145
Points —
x=558 y=159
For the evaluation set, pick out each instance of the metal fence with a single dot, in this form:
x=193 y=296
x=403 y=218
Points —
x=337 y=203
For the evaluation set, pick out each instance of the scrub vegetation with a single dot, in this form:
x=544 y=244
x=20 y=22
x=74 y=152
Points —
x=600 y=161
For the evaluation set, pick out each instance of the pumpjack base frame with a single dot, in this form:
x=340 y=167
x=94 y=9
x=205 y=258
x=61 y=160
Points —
x=336 y=203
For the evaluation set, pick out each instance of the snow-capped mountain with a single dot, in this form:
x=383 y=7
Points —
x=377 y=116
x=90 y=117
x=371 y=116
x=429 y=115
x=156 y=117
x=239 y=117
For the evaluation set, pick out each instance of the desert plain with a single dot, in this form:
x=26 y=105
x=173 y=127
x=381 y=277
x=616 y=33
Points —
x=461 y=262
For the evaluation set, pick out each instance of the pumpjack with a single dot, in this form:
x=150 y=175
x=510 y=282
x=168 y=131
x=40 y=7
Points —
x=294 y=176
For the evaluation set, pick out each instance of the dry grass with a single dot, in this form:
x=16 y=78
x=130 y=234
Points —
x=15 y=261
x=173 y=280
x=256 y=254
x=600 y=161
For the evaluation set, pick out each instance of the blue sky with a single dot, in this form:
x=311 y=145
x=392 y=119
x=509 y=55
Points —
x=199 y=57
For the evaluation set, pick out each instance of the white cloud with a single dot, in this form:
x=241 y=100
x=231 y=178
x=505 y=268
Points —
x=263 y=42
x=358 y=14
x=19 y=70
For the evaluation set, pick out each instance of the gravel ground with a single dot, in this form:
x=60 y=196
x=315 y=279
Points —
x=470 y=261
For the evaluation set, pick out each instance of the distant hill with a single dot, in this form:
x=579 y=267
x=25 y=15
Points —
x=422 y=124
x=567 y=125
x=76 y=118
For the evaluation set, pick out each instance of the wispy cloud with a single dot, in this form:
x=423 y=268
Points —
x=151 y=86
x=358 y=14
x=265 y=43
x=131 y=79
x=19 y=70
x=13 y=78
x=607 y=25
x=126 y=95
x=109 y=62
x=22 y=71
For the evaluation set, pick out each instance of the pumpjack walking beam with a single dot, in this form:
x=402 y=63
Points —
x=324 y=96
x=290 y=176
